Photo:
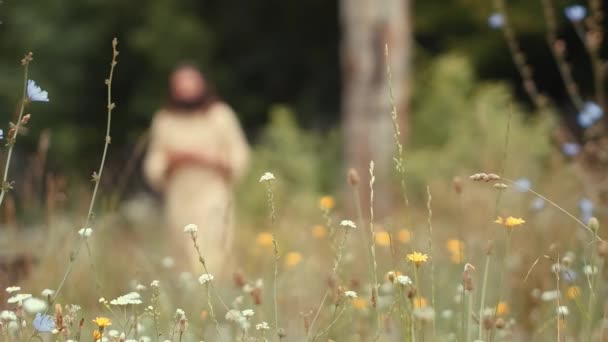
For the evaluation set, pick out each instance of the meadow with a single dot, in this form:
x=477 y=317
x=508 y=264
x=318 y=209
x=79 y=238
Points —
x=481 y=233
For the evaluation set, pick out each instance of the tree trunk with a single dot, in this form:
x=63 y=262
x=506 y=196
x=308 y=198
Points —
x=367 y=26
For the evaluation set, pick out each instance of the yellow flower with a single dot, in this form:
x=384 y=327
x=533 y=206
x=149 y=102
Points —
x=456 y=249
x=419 y=302
x=102 y=322
x=292 y=259
x=417 y=258
x=573 y=292
x=383 y=239
x=510 y=221
x=404 y=236
x=319 y=231
x=502 y=308
x=264 y=239
x=359 y=303
x=327 y=203
x=96 y=335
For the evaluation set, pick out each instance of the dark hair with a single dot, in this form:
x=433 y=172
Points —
x=203 y=102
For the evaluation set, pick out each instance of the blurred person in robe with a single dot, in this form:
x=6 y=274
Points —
x=197 y=153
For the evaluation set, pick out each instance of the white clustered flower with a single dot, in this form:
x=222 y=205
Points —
x=350 y=294
x=237 y=317
x=348 y=224
x=18 y=298
x=247 y=312
x=129 y=298
x=12 y=289
x=267 y=177
x=179 y=313
x=590 y=270
x=205 y=278
x=155 y=283
x=562 y=310
x=113 y=333
x=34 y=305
x=404 y=280
x=47 y=292
x=8 y=316
x=548 y=296
x=85 y=232
x=140 y=287
x=190 y=228
x=262 y=326
x=102 y=300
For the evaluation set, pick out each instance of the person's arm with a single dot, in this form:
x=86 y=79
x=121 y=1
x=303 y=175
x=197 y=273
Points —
x=156 y=163
x=237 y=154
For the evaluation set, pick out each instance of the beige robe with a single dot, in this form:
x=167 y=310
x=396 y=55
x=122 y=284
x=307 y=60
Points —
x=195 y=193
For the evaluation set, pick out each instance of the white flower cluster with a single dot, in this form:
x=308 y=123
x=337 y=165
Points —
x=205 y=278
x=191 y=228
x=266 y=177
x=130 y=298
x=85 y=232
x=241 y=317
x=348 y=224
x=350 y=294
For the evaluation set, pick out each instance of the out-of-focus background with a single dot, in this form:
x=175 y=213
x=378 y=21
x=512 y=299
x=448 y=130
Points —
x=309 y=83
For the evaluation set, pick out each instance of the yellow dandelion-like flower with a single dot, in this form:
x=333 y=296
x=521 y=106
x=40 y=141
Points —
x=96 y=335
x=327 y=203
x=319 y=231
x=573 y=292
x=383 y=239
x=292 y=259
x=417 y=258
x=102 y=322
x=456 y=249
x=419 y=302
x=502 y=308
x=359 y=303
x=264 y=239
x=510 y=222
x=404 y=236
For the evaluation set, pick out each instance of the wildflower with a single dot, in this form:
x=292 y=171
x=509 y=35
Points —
x=455 y=247
x=522 y=184
x=264 y=239
x=8 y=316
x=319 y=231
x=571 y=149
x=113 y=333
x=359 y=303
x=538 y=204
x=549 y=296
x=383 y=239
x=266 y=177
x=575 y=13
x=140 y=287
x=496 y=20
x=190 y=228
x=167 y=262
x=562 y=310
x=510 y=221
x=47 y=292
x=348 y=224
x=155 y=283
x=293 y=258
x=102 y=322
x=18 y=298
x=102 y=300
x=590 y=270
x=586 y=207
x=34 y=93
x=419 y=302
x=85 y=232
x=502 y=308
x=590 y=113
x=247 y=313
x=96 y=335
x=12 y=289
x=43 y=323
x=129 y=298
x=404 y=280
x=404 y=236
x=1 y=134
x=417 y=258
x=34 y=305
x=350 y=294
x=205 y=278
x=262 y=326
x=327 y=203
x=573 y=292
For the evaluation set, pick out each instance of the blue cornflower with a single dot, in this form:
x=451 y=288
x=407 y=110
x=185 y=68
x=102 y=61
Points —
x=44 y=323
x=571 y=149
x=590 y=113
x=522 y=184
x=586 y=207
x=496 y=20
x=34 y=93
x=575 y=13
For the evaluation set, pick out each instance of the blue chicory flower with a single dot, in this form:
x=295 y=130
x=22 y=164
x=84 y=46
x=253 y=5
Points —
x=590 y=113
x=496 y=20
x=522 y=184
x=575 y=13
x=586 y=207
x=44 y=323
x=34 y=93
x=571 y=149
